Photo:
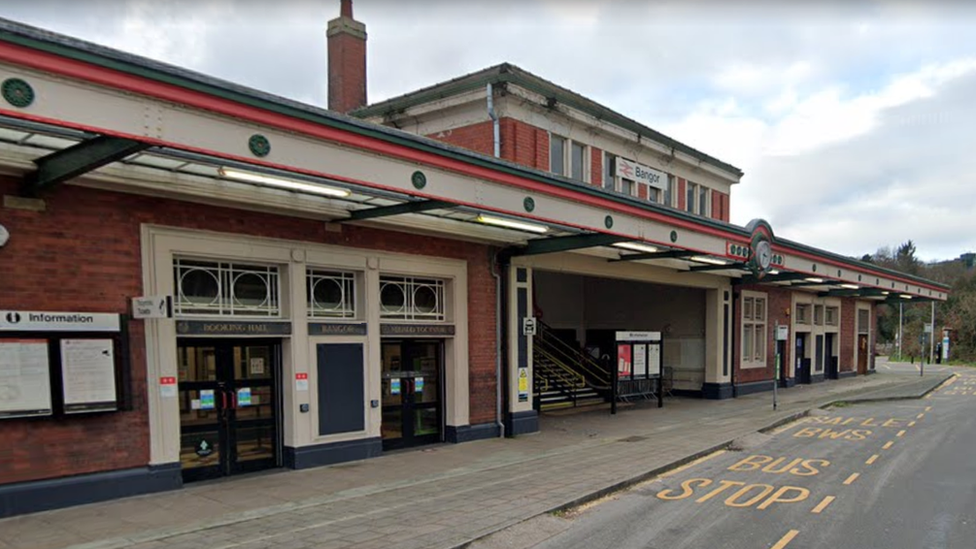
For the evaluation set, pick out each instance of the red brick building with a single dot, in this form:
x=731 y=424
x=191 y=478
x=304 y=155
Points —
x=200 y=279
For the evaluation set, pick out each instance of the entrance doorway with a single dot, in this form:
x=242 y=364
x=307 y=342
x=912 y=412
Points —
x=412 y=392
x=862 y=354
x=802 y=362
x=229 y=406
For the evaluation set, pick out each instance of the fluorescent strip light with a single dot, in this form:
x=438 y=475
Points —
x=850 y=286
x=261 y=179
x=905 y=296
x=774 y=272
x=509 y=224
x=814 y=280
x=708 y=260
x=885 y=293
x=637 y=247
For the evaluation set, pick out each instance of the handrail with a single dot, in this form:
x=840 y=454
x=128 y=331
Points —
x=572 y=355
x=566 y=370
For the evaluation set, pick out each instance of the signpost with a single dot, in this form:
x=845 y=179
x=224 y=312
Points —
x=782 y=334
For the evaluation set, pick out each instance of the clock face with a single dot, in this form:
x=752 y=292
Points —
x=764 y=254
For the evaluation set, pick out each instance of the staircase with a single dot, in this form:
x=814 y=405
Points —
x=565 y=376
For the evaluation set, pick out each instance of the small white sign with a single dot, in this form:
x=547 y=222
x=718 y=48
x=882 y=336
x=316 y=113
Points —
x=638 y=336
x=301 y=382
x=928 y=328
x=641 y=173
x=156 y=306
x=46 y=321
x=782 y=333
x=256 y=366
x=528 y=326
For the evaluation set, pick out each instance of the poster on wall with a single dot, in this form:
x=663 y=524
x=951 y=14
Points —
x=25 y=381
x=640 y=361
x=623 y=360
x=88 y=375
x=653 y=360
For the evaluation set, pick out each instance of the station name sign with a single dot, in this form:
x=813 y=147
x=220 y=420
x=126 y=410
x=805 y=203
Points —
x=641 y=173
x=336 y=328
x=45 y=321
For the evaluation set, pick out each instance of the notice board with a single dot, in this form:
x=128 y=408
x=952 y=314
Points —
x=25 y=378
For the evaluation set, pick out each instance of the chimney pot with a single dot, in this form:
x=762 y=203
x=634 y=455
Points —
x=347 y=61
x=346 y=9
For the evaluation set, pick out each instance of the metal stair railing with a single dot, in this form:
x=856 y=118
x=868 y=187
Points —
x=556 y=377
x=575 y=359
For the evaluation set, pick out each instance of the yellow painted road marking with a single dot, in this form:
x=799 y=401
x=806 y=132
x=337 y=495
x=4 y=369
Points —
x=911 y=423
x=888 y=445
x=823 y=504
x=785 y=540
x=850 y=480
x=928 y=408
x=872 y=459
x=901 y=433
x=920 y=416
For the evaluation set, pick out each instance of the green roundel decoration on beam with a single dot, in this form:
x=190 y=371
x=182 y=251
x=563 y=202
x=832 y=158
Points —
x=259 y=145
x=17 y=92
x=528 y=204
x=674 y=236
x=418 y=179
x=608 y=221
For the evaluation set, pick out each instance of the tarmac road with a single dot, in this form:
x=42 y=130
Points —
x=899 y=474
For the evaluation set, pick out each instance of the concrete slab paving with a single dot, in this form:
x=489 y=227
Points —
x=440 y=496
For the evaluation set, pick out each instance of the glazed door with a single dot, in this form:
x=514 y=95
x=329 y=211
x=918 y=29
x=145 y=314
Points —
x=862 y=354
x=411 y=388
x=229 y=407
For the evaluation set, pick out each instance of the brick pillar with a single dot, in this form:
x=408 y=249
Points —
x=347 y=61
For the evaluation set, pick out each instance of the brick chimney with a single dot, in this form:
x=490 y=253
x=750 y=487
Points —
x=347 y=61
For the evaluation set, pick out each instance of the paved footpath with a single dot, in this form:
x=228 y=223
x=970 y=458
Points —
x=443 y=496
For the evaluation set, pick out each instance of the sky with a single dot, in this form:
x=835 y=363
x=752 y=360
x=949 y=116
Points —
x=854 y=122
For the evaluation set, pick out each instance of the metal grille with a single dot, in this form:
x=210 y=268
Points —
x=331 y=294
x=407 y=298
x=208 y=288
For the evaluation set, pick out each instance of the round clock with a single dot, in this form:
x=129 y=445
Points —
x=764 y=254
x=4 y=236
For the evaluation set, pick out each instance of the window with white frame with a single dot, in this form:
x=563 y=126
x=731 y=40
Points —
x=219 y=288
x=703 y=202
x=802 y=313
x=567 y=157
x=409 y=298
x=697 y=199
x=609 y=169
x=753 y=329
x=818 y=315
x=654 y=194
x=666 y=193
x=863 y=321
x=831 y=315
x=331 y=294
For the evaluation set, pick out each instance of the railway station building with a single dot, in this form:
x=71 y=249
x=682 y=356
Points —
x=201 y=279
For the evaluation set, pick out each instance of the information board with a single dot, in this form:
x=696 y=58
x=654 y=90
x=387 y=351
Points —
x=25 y=379
x=88 y=375
x=654 y=360
x=640 y=361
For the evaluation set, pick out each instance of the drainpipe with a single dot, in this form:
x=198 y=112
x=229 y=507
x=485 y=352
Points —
x=494 y=121
x=493 y=257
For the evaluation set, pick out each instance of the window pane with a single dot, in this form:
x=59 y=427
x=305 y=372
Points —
x=703 y=201
x=747 y=342
x=653 y=194
x=760 y=309
x=747 y=308
x=577 y=162
x=690 y=198
x=760 y=342
x=609 y=168
x=627 y=186
x=557 y=155
x=667 y=191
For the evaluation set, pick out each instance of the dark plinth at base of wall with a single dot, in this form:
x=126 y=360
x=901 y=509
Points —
x=787 y=383
x=522 y=423
x=683 y=393
x=847 y=374
x=331 y=453
x=468 y=433
x=816 y=378
x=744 y=389
x=44 y=495
x=716 y=391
